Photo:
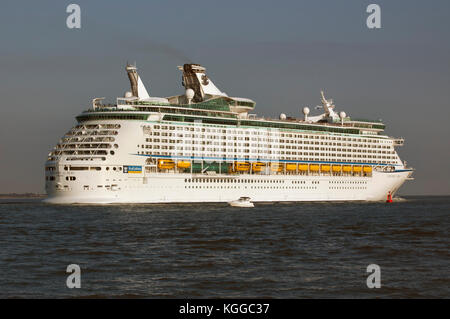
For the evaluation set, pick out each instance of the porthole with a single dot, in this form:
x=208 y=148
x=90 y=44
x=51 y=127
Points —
x=111 y=152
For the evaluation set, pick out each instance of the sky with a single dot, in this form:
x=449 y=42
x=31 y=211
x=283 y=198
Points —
x=278 y=53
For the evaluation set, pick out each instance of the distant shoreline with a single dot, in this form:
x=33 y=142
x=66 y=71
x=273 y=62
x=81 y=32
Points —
x=23 y=195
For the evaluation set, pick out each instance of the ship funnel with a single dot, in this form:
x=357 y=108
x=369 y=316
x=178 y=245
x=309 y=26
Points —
x=195 y=78
x=137 y=87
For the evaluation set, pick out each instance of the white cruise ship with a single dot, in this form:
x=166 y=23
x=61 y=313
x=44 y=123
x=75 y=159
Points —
x=205 y=146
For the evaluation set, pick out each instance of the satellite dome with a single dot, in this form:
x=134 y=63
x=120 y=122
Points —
x=128 y=94
x=282 y=116
x=342 y=115
x=306 y=110
x=190 y=94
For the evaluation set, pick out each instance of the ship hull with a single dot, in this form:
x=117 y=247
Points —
x=192 y=188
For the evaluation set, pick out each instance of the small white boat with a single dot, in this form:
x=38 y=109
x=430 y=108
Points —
x=242 y=202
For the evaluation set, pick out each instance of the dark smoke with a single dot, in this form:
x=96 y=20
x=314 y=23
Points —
x=165 y=50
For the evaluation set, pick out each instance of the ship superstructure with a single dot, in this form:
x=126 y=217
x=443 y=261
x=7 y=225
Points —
x=205 y=146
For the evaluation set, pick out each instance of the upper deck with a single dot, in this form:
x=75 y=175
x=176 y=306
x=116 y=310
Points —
x=204 y=102
x=206 y=113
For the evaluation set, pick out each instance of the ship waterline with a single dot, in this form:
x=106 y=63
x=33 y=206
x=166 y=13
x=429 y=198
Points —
x=204 y=146
x=164 y=188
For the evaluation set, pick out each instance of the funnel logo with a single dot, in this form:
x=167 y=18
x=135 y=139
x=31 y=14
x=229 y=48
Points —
x=205 y=80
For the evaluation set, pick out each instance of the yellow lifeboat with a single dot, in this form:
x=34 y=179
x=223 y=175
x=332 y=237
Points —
x=346 y=168
x=291 y=167
x=337 y=168
x=242 y=166
x=314 y=167
x=166 y=164
x=367 y=169
x=303 y=167
x=183 y=164
x=258 y=166
x=325 y=168
x=276 y=167
x=357 y=169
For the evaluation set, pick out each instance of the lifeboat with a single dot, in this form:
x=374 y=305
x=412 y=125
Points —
x=166 y=164
x=314 y=167
x=325 y=168
x=258 y=166
x=367 y=169
x=183 y=164
x=242 y=166
x=337 y=168
x=276 y=167
x=303 y=167
x=346 y=168
x=291 y=167
x=357 y=169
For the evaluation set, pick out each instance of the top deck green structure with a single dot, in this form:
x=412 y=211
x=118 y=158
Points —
x=204 y=102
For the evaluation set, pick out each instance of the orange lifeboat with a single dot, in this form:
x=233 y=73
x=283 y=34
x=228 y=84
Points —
x=242 y=166
x=258 y=166
x=276 y=167
x=303 y=167
x=291 y=167
x=336 y=168
x=166 y=164
x=357 y=169
x=347 y=168
x=367 y=169
x=183 y=164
